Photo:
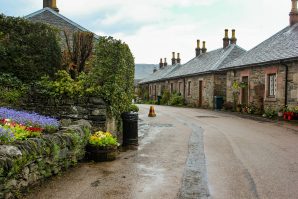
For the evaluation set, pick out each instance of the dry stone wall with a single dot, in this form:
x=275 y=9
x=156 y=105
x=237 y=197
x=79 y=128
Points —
x=27 y=163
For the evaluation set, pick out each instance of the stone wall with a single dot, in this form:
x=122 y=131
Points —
x=27 y=163
x=258 y=84
x=92 y=109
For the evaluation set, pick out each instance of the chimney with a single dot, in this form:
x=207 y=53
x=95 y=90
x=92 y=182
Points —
x=294 y=13
x=204 y=49
x=160 y=64
x=178 y=58
x=173 y=59
x=165 y=62
x=233 y=40
x=50 y=4
x=198 y=49
x=226 y=40
x=154 y=70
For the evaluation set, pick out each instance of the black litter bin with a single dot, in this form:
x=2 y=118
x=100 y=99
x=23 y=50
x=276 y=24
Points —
x=218 y=102
x=130 y=128
x=158 y=99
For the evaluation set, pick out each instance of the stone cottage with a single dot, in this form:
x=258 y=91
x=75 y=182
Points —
x=50 y=15
x=198 y=80
x=270 y=70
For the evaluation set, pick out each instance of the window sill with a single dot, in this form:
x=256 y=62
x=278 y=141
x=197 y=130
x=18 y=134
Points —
x=270 y=99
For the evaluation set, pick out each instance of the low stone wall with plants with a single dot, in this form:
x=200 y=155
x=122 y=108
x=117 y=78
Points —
x=92 y=109
x=27 y=163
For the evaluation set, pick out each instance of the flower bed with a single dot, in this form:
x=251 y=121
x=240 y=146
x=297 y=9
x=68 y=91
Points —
x=18 y=125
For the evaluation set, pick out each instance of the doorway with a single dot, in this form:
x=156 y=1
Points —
x=200 y=93
x=244 y=91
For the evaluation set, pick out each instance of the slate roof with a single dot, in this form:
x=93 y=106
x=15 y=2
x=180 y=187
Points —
x=209 y=62
x=160 y=74
x=204 y=63
x=46 y=9
x=281 y=46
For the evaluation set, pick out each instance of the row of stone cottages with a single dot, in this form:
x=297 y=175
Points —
x=270 y=71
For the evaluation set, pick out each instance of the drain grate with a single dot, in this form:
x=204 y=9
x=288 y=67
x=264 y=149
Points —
x=206 y=116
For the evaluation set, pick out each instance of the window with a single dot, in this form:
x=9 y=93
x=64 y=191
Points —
x=189 y=84
x=271 y=85
x=180 y=85
x=172 y=87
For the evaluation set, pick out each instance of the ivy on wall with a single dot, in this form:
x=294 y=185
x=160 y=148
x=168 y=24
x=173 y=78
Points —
x=113 y=69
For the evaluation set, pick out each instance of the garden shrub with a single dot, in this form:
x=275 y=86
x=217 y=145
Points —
x=12 y=90
x=113 y=70
x=28 y=50
x=165 y=97
x=176 y=100
x=63 y=86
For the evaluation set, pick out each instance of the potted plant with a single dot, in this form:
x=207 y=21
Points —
x=238 y=107
x=102 y=146
x=281 y=111
x=130 y=126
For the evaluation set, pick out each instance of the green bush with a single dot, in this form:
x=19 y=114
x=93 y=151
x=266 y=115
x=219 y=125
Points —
x=270 y=112
x=28 y=50
x=166 y=96
x=63 y=86
x=176 y=100
x=12 y=90
x=134 y=108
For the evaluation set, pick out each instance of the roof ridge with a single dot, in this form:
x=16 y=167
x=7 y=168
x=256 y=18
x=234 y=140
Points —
x=60 y=16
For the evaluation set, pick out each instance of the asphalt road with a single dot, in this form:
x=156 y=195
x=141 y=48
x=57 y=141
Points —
x=187 y=154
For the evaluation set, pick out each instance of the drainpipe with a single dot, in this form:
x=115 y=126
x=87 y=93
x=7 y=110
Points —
x=184 y=89
x=286 y=82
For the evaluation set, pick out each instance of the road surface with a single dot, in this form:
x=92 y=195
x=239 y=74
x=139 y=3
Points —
x=191 y=153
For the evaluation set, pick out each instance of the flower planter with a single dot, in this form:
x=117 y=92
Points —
x=100 y=154
x=289 y=115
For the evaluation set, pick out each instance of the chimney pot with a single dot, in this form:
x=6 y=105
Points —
x=294 y=13
x=50 y=4
x=165 y=62
x=173 y=59
x=233 y=39
x=160 y=63
x=226 y=40
x=204 y=49
x=178 y=58
x=198 y=49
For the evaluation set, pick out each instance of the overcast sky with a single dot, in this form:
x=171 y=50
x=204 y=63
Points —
x=155 y=28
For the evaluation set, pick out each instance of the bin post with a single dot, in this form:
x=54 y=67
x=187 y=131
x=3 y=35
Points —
x=130 y=128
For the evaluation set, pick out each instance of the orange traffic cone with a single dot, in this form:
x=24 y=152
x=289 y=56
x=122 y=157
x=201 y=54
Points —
x=151 y=112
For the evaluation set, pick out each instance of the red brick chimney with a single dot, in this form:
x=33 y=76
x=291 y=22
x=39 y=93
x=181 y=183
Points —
x=160 y=63
x=204 y=49
x=173 y=59
x=226 y=40
x=198 y=49
x=294 y=13
x=165 y=62
x=233 y=40
x=178 y=60
x=50 y=4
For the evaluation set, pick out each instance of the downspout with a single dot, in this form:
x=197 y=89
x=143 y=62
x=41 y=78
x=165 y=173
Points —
x=286 y=82
x=184 y=89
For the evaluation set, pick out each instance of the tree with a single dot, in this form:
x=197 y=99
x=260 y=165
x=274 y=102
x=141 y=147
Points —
x=78 y=52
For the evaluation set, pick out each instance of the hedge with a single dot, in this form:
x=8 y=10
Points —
x=28 y=50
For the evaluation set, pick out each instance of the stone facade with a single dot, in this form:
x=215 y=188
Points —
x=27 y=163
x=209 y=85
x=258 y=85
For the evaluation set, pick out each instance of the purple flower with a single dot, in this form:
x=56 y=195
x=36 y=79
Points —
x=29 y=119
x=6 y=135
